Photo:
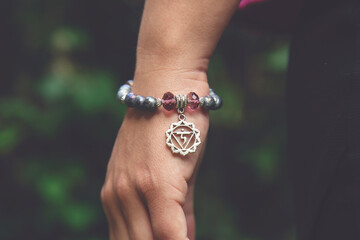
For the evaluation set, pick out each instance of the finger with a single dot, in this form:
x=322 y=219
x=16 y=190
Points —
x=168 y=220
x=136 y=216
x=166 y=214
x=118 y=230
x=117 y=226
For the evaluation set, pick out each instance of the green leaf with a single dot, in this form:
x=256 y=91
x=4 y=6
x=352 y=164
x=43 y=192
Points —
x=9 y=138
x=79 y=216
x=277 y=60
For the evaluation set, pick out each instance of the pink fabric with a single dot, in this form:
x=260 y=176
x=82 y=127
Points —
x=244 y=3
x=269 y=15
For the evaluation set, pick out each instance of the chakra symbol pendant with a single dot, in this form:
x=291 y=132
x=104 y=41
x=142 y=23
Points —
x=182 y=137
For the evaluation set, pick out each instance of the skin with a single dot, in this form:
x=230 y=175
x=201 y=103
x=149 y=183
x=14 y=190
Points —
x=148 y=191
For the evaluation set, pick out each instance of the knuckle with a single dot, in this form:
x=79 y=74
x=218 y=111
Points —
x=145 y=182
x=123 y=186
x=106 y=194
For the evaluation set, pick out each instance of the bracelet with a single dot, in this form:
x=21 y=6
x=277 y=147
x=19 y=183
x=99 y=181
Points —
x=182 y=137
x=169 y=101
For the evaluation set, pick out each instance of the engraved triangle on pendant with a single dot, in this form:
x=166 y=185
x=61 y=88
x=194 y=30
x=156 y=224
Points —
x=182 y=138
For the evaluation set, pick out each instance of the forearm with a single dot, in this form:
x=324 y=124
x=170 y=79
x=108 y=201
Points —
x=177 y=38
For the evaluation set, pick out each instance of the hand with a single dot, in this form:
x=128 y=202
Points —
x=148 y=191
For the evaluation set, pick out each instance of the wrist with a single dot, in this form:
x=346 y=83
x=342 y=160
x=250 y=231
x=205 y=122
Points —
x=182 y=137
x=157 y=82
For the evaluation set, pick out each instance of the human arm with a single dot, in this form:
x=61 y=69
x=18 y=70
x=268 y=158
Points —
x=276 y=16
x=148 y=191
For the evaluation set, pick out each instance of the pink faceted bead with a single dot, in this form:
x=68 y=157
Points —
x=193 y=100
x=168 y=101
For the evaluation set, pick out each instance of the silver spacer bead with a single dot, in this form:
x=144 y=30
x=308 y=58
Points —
x=202 y=101
x=158 y=102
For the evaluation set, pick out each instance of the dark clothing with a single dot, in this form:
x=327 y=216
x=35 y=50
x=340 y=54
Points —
x=323 y=98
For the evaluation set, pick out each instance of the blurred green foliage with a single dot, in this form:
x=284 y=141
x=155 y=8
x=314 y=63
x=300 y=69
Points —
x=59 y=117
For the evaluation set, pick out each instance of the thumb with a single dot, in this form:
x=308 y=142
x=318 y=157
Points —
x=189 y=213
x=189 y=200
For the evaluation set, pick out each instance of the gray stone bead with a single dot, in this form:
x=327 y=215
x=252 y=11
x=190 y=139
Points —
x=121 y=94
x=217 y=102
x=125 y=87
x=211 y=92
x=139 y=101
x=122 y=99
x=150 y=104
x=130 y=100
x=208 y=102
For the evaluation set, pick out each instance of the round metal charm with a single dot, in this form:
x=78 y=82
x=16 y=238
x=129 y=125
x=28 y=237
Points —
x=182 y=137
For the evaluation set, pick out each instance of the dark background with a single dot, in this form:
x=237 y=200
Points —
x=63 y=61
